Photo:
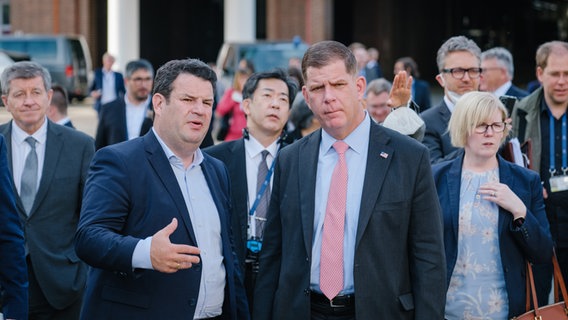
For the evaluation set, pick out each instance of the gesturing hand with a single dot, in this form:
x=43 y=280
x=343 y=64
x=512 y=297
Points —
x=169 y=257
x=400 y=91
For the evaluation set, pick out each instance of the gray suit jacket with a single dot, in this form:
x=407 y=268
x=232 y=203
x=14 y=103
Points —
x=399 y=254
x=51 y=226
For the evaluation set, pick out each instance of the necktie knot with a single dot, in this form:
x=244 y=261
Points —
x=340 y=147
x=264 y=154
x=31 y=141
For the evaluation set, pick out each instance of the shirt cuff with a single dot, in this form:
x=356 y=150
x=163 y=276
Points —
x=141 y=255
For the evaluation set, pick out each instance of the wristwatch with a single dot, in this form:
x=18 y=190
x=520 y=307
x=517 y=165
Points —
x=518 y=222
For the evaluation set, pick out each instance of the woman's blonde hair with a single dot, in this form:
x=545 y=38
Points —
x=471 y=110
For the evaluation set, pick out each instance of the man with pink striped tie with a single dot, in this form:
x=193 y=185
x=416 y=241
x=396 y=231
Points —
x=353 y=230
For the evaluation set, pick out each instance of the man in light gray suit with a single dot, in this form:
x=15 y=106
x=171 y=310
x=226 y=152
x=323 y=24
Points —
x=49 y=164
x=354 y=227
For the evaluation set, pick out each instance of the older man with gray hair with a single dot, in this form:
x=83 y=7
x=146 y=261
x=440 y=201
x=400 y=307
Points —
x=498 y=70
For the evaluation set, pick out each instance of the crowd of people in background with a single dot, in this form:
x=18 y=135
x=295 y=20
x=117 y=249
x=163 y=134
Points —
x=320 y=191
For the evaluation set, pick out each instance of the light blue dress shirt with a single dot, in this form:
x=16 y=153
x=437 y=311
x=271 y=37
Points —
x=356 y=157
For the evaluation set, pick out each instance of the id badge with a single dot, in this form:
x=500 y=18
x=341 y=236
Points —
x=558 y=183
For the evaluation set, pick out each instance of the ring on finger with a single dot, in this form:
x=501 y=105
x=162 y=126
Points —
x=494 y=194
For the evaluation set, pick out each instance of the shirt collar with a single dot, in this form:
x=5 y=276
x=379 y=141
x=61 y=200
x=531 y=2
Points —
x=20 y=135
x=175 y=160
x=357 y=140
x=130 y=104
x=254 y=148
x=502 y=90
x=449 y=104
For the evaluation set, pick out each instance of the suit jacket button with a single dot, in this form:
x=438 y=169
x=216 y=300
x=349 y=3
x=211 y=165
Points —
x=307 y=292
x=192 y=302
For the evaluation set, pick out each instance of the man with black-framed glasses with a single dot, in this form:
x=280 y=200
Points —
x=459 y=63
x=129 y=116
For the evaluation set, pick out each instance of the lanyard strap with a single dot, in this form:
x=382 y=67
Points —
x=262 y=189
x=552 y=141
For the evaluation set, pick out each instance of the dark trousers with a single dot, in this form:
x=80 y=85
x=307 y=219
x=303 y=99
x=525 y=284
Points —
x=40 y=309
x=251 y=271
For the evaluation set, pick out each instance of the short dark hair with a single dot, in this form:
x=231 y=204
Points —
x=322 y=53
x=279 y=74
x=59 y=98
x=135 y=65
x=168 y=73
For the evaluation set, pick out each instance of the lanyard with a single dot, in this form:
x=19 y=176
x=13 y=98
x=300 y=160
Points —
x=262 y=188
x=552 y=168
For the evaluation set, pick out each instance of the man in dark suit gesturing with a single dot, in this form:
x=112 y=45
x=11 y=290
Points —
x=49 y=165
x=267 y=97
x=155 y=219
x=354 y=226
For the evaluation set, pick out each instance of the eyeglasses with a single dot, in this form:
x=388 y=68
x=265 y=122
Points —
x=496 y=127
x=459 y=73
x=140 y=80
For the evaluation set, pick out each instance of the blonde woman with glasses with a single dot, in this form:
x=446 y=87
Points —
x=493 y=215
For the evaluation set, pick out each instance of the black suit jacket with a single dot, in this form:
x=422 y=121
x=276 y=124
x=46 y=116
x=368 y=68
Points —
x=51 y=225
x=233 y=155
x=112 y=126
x=436 y=137
x=400 y=269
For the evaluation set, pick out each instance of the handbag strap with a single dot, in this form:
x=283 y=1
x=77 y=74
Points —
x=558 y=280
x=531 y=291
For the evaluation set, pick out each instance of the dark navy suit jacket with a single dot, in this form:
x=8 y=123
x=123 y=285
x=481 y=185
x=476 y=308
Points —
x=131 y=193
x=399 y=265
x=532 y=241
x=13 y=271
x=98 y=85
x=436 y=137
x=421 y=94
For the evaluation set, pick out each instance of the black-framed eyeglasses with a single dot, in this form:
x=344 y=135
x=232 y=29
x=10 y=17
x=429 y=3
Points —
x=459 y=73
x=496 y=127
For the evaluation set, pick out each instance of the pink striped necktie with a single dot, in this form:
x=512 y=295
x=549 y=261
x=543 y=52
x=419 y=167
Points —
x=331 y=261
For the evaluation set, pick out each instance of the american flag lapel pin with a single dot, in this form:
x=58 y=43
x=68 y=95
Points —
x=384 y=155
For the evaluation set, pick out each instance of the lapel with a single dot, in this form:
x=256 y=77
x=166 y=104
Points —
x=454 y=185
x=6 y=131
x=237 y=166
x=505 y=177
x=445 y=112
x=121 y=119
x=147 y=122
x=53 y=146
x=161 y=165
x=379 y=158
x=307 y=171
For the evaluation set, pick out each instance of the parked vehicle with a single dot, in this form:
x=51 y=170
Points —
x=66 y=57
x=264 y=55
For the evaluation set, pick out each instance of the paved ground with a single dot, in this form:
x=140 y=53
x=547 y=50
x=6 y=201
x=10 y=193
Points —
x=83 y=116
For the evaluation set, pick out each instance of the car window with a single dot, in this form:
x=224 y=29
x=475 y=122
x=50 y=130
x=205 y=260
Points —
x=39 y=50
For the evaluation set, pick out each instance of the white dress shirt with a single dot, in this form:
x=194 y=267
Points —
x=108 y=92
x=135 y=114
x=20 y=150
x=253 y=156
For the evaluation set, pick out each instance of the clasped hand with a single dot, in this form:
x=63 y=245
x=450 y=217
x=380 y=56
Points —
x=502 y=195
